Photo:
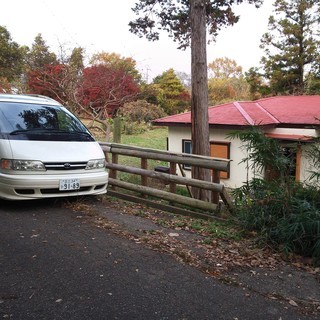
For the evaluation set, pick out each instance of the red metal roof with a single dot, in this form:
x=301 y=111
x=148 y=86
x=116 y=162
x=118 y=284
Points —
x=280 y=110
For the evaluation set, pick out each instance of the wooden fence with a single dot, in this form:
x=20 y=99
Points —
x=144 y=192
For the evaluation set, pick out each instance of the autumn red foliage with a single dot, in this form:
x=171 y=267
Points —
x=106 y=89
x=48 y=81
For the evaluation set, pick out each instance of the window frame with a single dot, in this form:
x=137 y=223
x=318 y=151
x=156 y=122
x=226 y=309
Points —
x=223 y=175
x=186 y=166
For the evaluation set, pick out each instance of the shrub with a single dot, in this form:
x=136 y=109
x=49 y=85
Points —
x=141 y=111
x=299 y=231
x=285 y=214
x=131 y=128
x=289 y=223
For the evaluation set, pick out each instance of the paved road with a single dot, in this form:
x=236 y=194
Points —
x=54 y=265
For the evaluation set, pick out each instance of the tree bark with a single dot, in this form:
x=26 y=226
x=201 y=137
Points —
x=199 y=103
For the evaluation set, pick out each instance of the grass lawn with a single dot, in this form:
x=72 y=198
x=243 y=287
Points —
x=155 y=139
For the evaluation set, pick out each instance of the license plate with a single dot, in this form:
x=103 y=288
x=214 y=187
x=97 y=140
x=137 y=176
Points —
x=69 y=184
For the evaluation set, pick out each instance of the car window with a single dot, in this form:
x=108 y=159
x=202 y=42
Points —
x=26 y=117
x=19 y=118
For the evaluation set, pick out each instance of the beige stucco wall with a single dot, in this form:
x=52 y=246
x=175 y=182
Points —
x=238 y=171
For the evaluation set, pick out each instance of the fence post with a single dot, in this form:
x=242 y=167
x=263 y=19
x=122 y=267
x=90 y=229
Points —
x=173 y=171
x=113 y=172
x=117 y=130
x=144 y=179
x=215 y=179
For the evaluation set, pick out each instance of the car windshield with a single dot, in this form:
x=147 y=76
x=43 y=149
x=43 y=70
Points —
x=19 y=118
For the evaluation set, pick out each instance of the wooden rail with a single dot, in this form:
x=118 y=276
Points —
x=175 y=160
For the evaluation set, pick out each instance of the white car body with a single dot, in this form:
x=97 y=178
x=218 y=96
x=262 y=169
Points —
x=43 y=162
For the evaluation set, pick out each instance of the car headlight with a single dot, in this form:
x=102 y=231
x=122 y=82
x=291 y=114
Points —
x=96 y=164
x=22 y=165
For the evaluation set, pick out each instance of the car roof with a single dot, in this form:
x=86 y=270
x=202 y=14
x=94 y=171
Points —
x=28 y=98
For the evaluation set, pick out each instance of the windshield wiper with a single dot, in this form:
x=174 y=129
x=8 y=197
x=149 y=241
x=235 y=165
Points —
x=42 y=130
x=37 y=130
x=81 y=132
x=21 y=131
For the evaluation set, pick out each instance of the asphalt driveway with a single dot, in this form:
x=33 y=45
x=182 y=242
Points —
x=55 y=265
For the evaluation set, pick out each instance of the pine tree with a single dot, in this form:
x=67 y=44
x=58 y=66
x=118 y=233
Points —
x=291 y=45
x=40 y=55
x=11 y=57
x=174 y=97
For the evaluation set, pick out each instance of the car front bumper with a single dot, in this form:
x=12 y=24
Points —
x=38 y=186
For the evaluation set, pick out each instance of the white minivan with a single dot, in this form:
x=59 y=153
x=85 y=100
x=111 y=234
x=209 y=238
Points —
x=45 y=151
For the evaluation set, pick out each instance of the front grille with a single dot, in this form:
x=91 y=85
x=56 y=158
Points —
x=57 y=191
x=65 y=165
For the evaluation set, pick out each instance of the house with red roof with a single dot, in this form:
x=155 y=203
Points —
x=293 y=120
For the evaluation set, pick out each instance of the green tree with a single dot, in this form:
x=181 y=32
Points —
x=187 y=22
x=291 y=45
x=76 y=60
x=226 y=81
x=11 y=58
x=258 y=86
x=312 y=85
x=40 y=55
x=172 y=96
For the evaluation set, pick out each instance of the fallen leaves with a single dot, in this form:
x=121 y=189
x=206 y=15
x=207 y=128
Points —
x=172 y=234
x=190 y=242
x=293 y=303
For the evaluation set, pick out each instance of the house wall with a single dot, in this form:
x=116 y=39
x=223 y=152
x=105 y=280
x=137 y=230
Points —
x=304 y=132
x=238 y=171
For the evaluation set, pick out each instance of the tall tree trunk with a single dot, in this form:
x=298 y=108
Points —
x=199 y=104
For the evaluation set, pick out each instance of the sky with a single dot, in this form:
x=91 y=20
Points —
x=102 y=25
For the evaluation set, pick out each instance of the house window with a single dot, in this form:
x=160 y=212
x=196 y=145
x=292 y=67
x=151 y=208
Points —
x=221 y=150
x=217 y=150
x=186 y=148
